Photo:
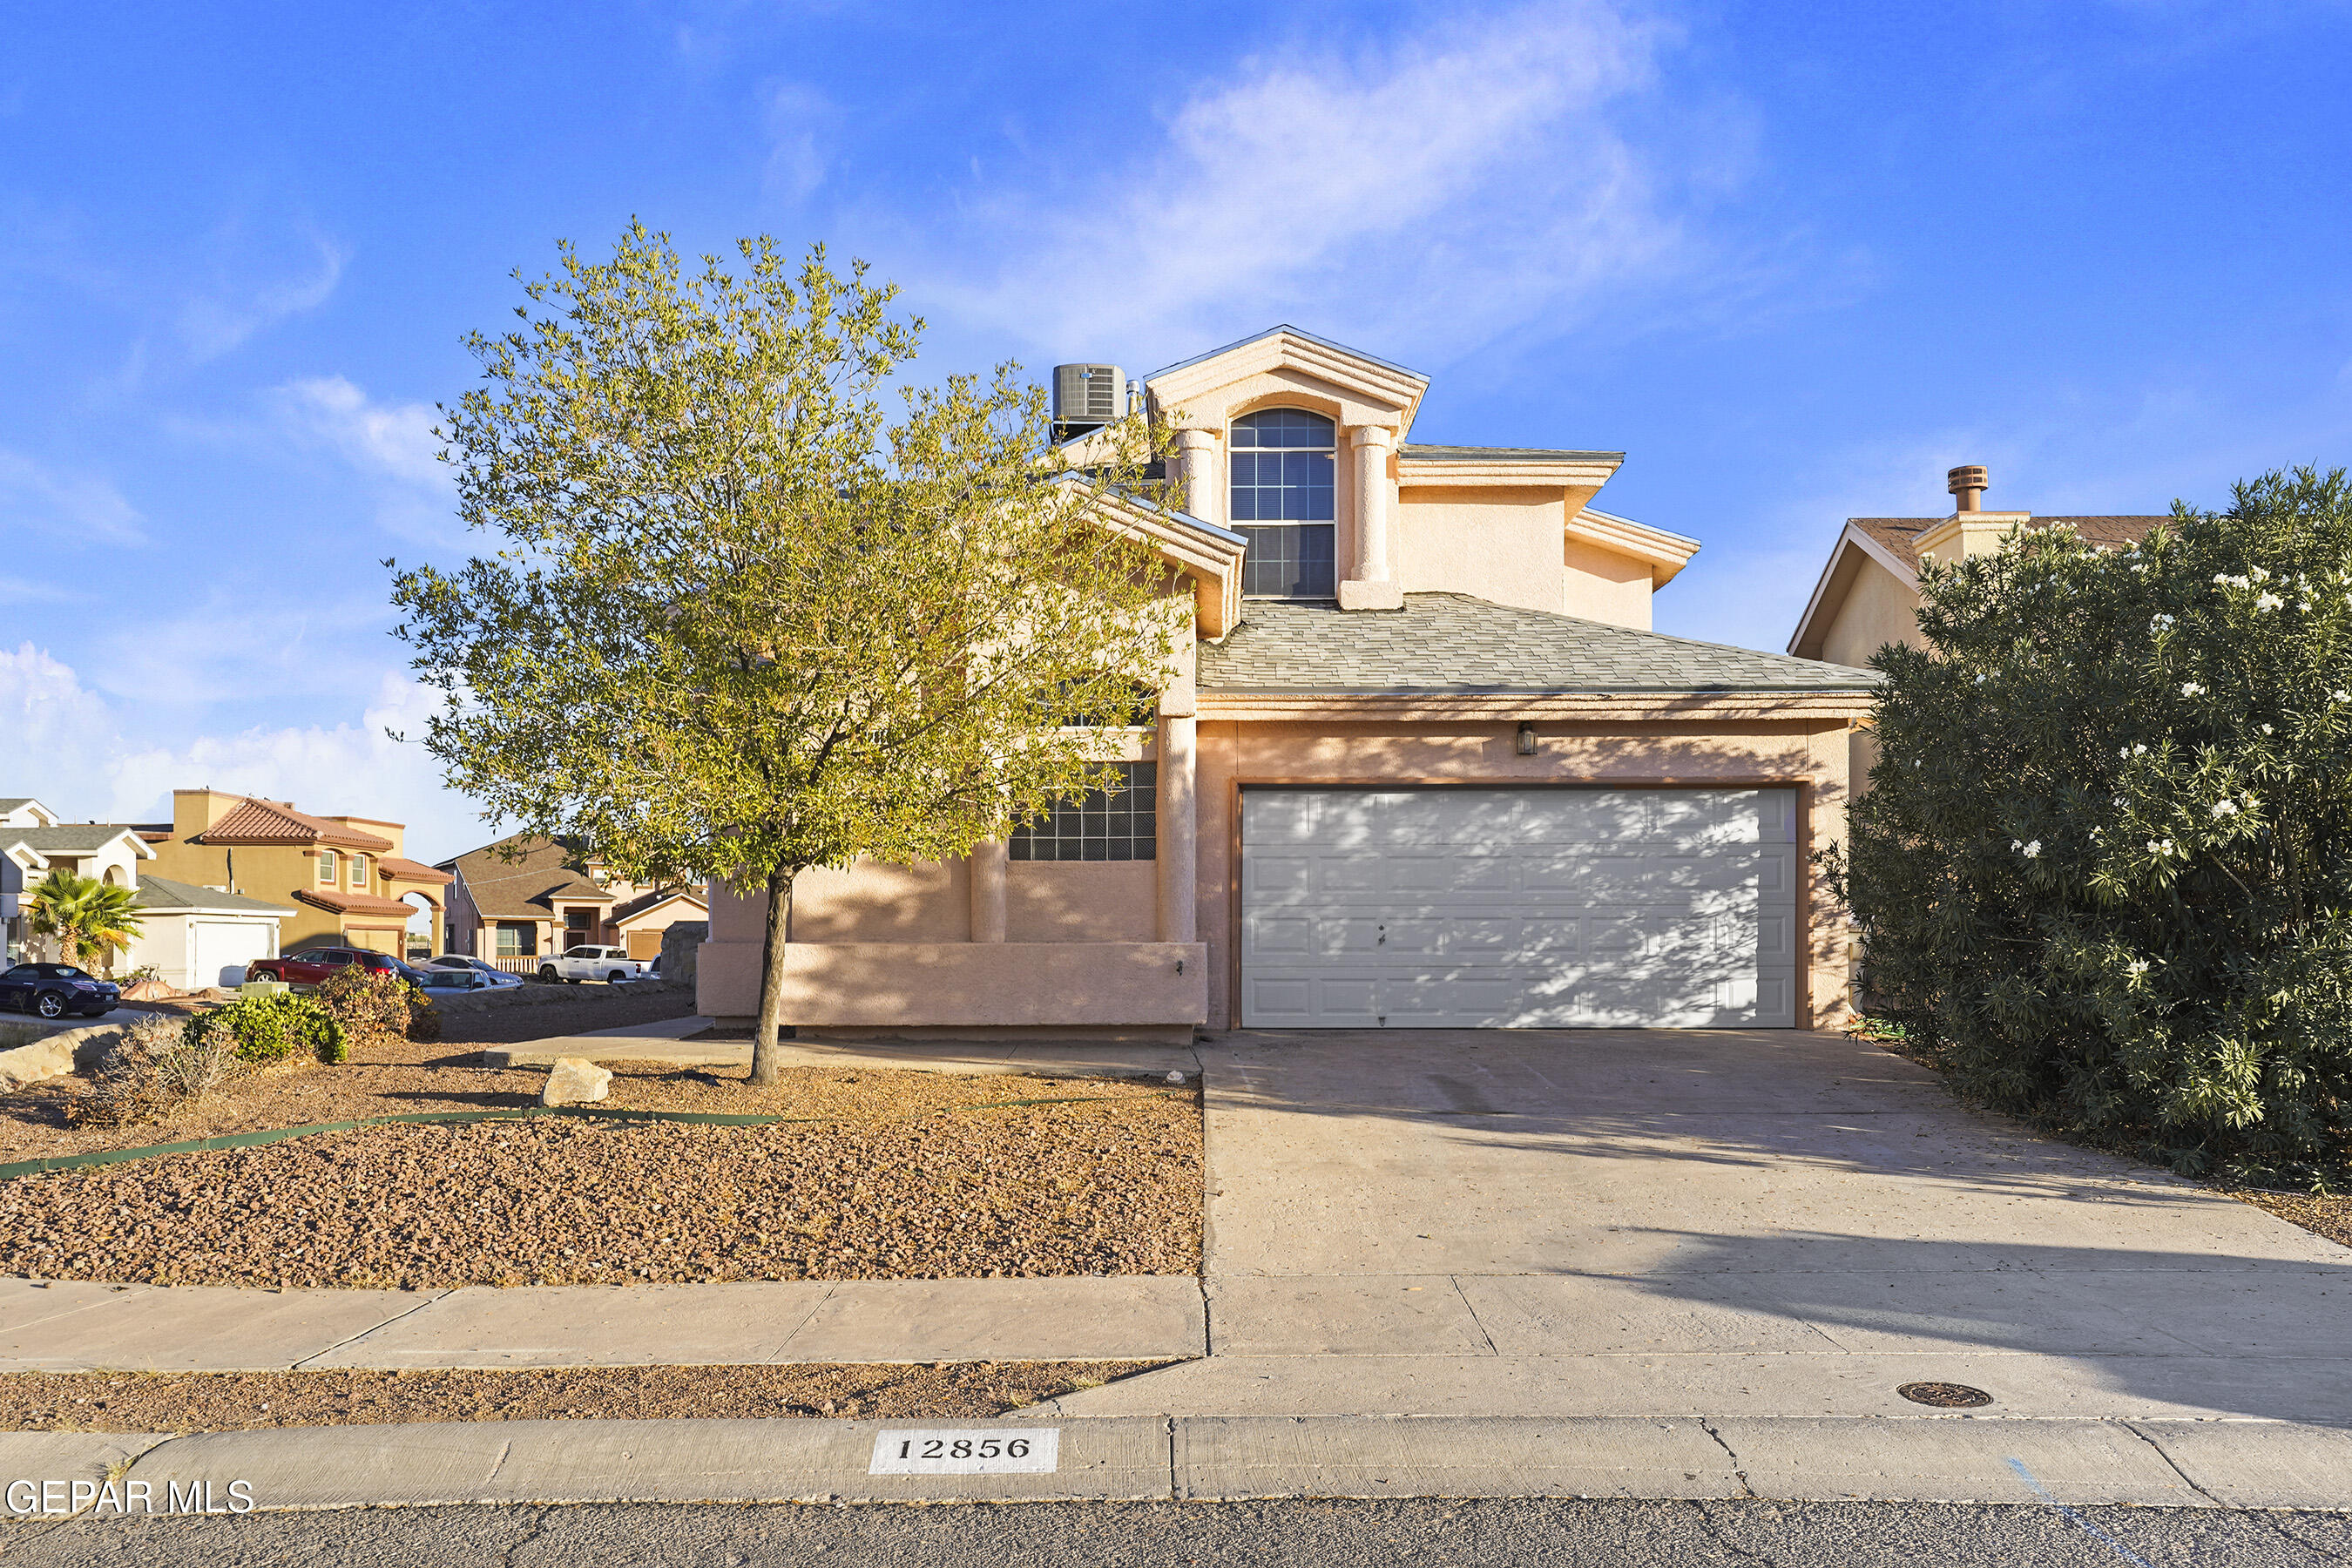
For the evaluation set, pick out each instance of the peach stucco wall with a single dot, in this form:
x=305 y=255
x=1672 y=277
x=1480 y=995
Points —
x=1079 y=900
x=1603 y=585
x=875 y=902
x=1502 y=545
x=1813 y=754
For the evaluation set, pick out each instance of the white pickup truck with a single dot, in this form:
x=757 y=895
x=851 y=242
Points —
x=612 y=964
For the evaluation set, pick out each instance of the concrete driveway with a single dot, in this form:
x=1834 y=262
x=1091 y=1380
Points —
x=1766 y=1223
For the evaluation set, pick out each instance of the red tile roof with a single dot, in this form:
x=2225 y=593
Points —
x=402 y=870
x=268 y=822
x=355 y=903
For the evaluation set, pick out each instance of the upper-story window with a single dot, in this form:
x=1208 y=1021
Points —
x=330 y=864
x=1283 y=464
x=359 y=871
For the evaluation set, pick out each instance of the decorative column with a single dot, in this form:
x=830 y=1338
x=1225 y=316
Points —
x=988 y=863
x=1371 y=586
x=1196 y=465
x=1179 y=846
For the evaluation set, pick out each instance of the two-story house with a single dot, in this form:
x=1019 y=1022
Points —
x=528 y=896
x=344 y=878
x=1424 y=764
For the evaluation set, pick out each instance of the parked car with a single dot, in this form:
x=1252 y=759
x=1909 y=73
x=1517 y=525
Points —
x=54 y=990
x=314 y=964
x=611 y=965
x=448 y=980
x=492 y=976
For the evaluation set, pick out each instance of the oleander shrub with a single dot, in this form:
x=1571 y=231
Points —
x=2103 y=869
x=371 y=1004
x=275 y=1029
x=157 y=1066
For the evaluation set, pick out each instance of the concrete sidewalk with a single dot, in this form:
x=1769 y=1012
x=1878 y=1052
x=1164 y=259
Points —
x=71 y=1326
x=1958 y=1459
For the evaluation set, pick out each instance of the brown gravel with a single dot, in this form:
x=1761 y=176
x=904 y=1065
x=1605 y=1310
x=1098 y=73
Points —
x=2327 y=1216
x=243 y=1401
x=1103 y=1186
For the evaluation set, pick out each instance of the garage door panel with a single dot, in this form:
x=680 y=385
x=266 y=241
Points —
x=1519 y=908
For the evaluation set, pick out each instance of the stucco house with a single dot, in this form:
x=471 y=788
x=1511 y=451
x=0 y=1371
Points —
x=1424 y=764
x=1868 y=594
x=528 y=896
x=343 y=880
x=33 y=842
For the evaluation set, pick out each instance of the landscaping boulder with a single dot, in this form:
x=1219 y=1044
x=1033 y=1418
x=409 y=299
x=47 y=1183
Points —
x=574 y=1081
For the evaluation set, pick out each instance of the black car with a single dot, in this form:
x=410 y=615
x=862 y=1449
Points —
x=54 y=990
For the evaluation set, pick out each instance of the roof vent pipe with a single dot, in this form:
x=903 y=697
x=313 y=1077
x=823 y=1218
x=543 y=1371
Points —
x=1969 y=484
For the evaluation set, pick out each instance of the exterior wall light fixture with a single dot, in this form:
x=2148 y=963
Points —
x=1527 y=740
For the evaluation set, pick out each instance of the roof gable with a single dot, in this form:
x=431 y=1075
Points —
x=1371 y=391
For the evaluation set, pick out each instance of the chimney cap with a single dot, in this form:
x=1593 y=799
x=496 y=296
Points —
x=1968 y=478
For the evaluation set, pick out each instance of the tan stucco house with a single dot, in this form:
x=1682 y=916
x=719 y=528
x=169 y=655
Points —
x=1424 y=764
x=343 y=879
x=35 y=842
x=527 y=896
x=1868 y=594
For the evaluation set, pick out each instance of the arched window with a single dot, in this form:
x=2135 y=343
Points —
x=1283 y=464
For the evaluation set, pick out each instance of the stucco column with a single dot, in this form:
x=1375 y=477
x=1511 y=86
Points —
x=1371 y=585
x=1179 y=846
x=988 y=863
x=1196 y=465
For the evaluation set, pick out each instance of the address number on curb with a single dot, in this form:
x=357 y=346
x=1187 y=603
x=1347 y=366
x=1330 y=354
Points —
x=980 y=1451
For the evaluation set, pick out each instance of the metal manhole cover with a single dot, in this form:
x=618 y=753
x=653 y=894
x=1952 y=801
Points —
x=1946 y=1395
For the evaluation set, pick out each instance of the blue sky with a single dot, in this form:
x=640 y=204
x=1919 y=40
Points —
x=1795 y=260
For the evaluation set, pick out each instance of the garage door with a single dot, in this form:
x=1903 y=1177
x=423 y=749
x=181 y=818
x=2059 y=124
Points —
x=1519 y=908
x=223 y=949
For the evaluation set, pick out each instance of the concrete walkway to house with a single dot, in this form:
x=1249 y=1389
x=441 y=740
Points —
x=1766 y=1223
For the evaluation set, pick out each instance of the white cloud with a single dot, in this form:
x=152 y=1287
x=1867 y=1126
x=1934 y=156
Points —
x=295 y=643
x=79 y=507
x=795 y=118
x=391 y=443
x=1462 y=182
x=355 y=768
x=213 y=323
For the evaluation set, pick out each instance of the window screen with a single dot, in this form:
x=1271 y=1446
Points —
x=1115 y=824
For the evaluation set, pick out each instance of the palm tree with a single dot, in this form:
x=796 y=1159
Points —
x=86 y=916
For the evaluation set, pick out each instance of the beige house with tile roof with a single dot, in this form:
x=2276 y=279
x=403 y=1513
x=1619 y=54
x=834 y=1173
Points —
x=1423 y=765
x=527 y=896
x=345 y=877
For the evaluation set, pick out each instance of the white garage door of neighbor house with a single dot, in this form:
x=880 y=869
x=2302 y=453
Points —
x=1521 y=909
x=223 y=949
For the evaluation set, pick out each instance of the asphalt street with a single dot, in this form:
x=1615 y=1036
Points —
x=1491 y=1533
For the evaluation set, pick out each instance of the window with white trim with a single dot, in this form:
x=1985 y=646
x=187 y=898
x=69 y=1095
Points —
x=360 y=872
x=329 y=865
x=1283 y=499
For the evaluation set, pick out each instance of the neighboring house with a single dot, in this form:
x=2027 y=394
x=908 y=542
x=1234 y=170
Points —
x=1868 y=595
x=344 y=877
x=1424 y=766
x=528 y=896
x=200 y=937
x=34 y=843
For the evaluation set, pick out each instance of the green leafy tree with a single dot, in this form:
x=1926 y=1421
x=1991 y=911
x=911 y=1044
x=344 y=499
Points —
x=2104 y=871
x=744 y=621
x=87 y=918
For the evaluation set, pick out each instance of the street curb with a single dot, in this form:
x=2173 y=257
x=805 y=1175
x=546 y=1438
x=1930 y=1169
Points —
x=1968 y=1460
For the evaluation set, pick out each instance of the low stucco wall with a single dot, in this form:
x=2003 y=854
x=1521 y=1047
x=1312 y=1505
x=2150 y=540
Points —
x=989 y=984
x=1080 y=901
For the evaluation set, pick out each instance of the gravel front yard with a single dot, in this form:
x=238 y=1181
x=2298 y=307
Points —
x=242 y=1400
x=1110 y=1184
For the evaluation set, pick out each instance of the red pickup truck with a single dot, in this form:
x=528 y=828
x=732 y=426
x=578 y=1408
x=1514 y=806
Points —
x=313 y=965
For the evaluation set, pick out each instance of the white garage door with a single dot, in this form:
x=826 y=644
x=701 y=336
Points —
x=1519 y=908
x=223 y=949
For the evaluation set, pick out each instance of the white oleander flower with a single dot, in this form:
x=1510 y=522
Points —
x=2259 y=573
x=2139 y=566
x=2138 y=966
x=2225 y=807
x=2033 y=851
x=2159 y=623
x=2191 y=688
x=2251 y=803
x=2268 y=602
x=2266 y=728
x=2339 y=696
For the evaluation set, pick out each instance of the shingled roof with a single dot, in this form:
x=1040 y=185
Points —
x=71 y=839
x=1454 y=643
x=528 y=888
x=163 y=895
x=1900 y=535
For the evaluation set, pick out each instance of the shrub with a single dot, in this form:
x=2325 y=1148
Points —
x=157 y=1066
x=274 y=1029
x=371 y=1004
x=2104 y=871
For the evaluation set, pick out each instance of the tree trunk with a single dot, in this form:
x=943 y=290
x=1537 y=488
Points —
x=771 y=974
